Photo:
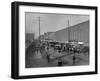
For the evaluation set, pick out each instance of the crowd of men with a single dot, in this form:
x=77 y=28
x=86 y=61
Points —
x=62 y=47
x=48 y=47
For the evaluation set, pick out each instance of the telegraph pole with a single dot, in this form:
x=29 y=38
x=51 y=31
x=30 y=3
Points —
x=39 y=28
x=68 y=32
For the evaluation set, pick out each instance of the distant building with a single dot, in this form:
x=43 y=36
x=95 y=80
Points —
x=48 y=36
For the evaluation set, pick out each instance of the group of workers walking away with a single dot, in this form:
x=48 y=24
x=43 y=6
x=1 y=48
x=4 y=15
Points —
x=59 y=63
x=46 y=48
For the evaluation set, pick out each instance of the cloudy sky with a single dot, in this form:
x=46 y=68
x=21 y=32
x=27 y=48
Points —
x=50 y=22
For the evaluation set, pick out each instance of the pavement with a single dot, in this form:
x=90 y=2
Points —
x=39 y=59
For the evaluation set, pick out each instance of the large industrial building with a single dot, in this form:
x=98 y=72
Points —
x=78 y=32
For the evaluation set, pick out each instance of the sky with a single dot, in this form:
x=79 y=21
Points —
x=50 y=22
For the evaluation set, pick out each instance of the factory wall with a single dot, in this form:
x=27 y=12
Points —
x=78 y=32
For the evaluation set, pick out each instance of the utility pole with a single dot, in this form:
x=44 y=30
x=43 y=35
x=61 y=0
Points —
x=39 y=28
x=68 y=32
